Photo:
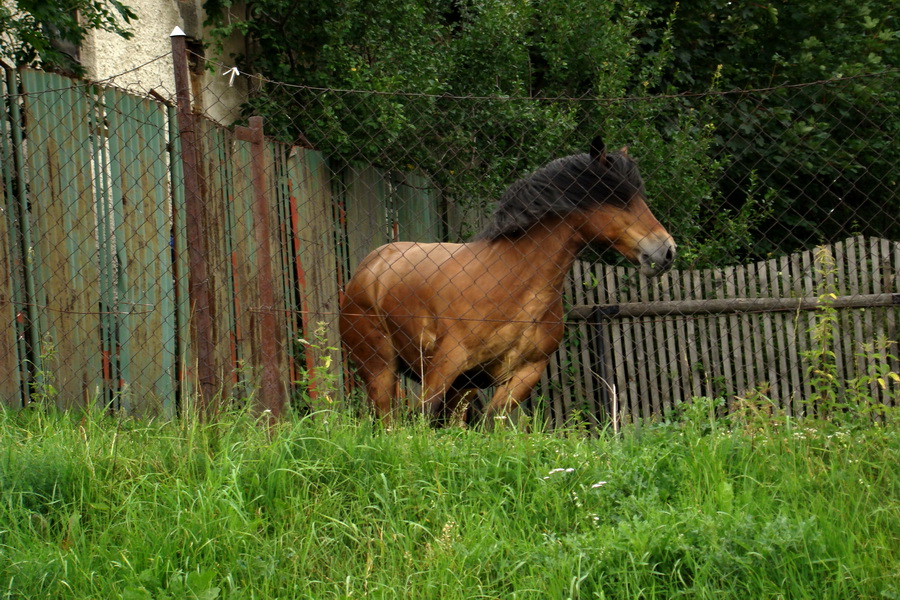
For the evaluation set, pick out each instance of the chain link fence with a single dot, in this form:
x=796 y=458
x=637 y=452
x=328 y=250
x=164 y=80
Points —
x=152 y=256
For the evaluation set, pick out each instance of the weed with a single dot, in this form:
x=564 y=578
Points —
x=43 y=392
x=854 y=400
x=320 y=383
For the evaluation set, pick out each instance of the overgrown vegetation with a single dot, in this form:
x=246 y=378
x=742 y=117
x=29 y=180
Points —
x=331 y=507
x=827 y=150
x=767 y=172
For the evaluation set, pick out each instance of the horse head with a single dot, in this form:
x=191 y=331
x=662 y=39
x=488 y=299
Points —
x=615 y=212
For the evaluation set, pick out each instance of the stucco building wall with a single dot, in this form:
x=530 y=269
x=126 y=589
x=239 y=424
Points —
x=144 y=62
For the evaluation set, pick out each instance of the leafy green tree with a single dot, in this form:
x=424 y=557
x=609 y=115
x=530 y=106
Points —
x=825 y=154
x=36 y=32
x=476 y=92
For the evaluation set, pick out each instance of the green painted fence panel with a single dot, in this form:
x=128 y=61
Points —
x=107 y=253
x=145 y=293
x=66 y=271
x=366 y=209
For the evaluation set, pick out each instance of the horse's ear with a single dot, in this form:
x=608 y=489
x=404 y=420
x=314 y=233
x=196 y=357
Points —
x=598 y=150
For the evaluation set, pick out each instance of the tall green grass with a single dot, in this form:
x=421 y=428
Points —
x=331 y=507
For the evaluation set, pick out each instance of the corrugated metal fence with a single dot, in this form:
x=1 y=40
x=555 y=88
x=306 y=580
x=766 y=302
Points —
x=94 y=271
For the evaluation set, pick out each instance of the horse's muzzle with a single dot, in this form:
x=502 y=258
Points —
x=656 y=255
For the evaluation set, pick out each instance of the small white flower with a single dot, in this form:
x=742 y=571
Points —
x=599 y=484
x=560 y=470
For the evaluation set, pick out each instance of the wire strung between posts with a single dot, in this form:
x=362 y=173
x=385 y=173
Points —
x=585 y=98
x=670 y=319
x=151 y=308
x=90 y=83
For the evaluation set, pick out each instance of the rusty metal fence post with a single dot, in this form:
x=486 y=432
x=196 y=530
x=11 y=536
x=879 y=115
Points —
x=272 y=397
x=201 y=311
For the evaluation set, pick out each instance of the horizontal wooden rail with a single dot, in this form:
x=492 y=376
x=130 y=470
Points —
x=728 y=306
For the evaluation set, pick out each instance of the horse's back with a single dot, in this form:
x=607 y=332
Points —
x=395 y=265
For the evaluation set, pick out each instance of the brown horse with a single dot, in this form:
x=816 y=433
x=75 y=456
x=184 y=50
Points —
x=489 y=312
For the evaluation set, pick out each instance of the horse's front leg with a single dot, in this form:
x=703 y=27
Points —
x=517 y=388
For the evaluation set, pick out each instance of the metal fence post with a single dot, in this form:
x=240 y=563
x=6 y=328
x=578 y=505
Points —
x=201 y=311
x=271 y=389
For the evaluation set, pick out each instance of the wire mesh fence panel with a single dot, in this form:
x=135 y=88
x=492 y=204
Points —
x=465 y=255
x=733 y=177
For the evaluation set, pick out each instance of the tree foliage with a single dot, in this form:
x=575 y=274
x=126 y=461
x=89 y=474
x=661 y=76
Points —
x=827 y=152
x=492 y=88
x=36 y=32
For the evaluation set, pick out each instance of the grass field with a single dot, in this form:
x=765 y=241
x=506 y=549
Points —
x=332 y=507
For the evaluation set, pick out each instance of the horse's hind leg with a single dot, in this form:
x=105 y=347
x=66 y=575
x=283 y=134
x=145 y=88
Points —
x=380 y=381
x=376 y=362
x=455 y=398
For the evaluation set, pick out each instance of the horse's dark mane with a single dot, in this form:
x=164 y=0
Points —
x=568 y=184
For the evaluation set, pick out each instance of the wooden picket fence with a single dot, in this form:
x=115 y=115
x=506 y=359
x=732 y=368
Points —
x=639 y=347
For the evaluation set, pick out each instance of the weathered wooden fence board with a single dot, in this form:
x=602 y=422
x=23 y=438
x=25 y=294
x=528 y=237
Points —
x=314 y=225
x=251 y=236
x=287 y=286
x=9 y=354
x=415 y=202
x=186 y=373
x=12 y=285
x=244 y=249
x=217 y=147
x=366 y=207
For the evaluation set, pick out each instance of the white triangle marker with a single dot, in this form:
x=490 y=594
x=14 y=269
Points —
x=177 y=32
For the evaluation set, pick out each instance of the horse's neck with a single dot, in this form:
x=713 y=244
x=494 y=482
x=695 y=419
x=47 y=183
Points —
x=545 y=255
